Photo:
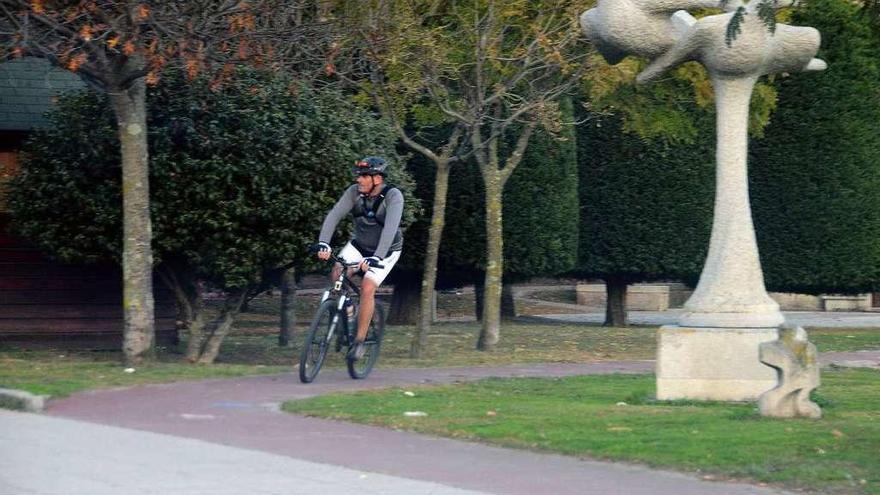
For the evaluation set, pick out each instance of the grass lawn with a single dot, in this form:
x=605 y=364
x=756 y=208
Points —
x=252 y=348
x=845 y=339
x=60 y=373
x=613 y=417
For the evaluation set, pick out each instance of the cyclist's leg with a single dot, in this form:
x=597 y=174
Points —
x=372 y=280
x=368 y=304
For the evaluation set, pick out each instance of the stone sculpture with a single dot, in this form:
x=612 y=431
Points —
x=645 y=28
x=713 y=353
x=731 y=290
x=797 y=371
x=664 y=32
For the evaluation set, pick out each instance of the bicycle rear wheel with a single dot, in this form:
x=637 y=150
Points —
x=362 y=367
x=317 y=341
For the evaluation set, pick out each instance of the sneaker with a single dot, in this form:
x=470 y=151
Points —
x=357 y=352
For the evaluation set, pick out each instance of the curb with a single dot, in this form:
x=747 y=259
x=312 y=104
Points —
x=19 y=400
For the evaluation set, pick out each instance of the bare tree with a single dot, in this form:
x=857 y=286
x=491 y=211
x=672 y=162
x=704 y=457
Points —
x=490 y=72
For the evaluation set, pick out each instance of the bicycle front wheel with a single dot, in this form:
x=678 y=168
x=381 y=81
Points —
x=317 y=341
x=362 y=367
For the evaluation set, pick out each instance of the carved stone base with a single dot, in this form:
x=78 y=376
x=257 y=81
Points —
x=797 y=367
x=712 y=363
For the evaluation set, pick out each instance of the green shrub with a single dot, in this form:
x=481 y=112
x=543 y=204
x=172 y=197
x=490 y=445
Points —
x=241 y=176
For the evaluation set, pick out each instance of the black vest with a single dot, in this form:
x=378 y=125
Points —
x=372 y=212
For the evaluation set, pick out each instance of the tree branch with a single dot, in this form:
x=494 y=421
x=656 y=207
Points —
x=516 y=157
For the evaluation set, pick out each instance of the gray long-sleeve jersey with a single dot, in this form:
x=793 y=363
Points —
x=369 y=234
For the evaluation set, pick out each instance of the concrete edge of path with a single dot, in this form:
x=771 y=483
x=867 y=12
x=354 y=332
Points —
x=20 y=400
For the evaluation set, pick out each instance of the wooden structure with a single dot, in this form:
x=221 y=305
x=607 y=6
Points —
x=45 y=303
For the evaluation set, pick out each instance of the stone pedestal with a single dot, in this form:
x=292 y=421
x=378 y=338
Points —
x=712 y=363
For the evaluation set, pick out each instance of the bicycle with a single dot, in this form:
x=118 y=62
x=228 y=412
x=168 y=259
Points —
x=337 y=316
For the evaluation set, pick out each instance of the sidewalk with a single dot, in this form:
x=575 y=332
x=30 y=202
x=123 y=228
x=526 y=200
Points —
x=42 y=455
x=806 y=319
x=250 y=439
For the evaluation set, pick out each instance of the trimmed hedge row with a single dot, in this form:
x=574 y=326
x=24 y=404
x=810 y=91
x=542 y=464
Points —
x=646 y=207
x=815 y=177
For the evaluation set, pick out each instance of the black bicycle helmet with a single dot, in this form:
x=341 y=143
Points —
x=371 y=165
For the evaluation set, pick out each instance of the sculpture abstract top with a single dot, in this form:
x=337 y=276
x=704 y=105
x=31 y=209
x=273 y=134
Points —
x=664 y=32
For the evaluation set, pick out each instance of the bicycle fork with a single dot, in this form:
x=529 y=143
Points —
x=340 y=305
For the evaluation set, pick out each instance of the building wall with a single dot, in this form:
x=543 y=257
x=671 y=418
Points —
x=47 y=303
x=28 y=87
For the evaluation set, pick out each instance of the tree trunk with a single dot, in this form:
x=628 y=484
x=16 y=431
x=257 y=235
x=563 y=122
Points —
x=190 y=306
x=196 y=330
x=220 y=327
x=195 y=325
x=288 y=313
x=129 y=105
x=432 y=251
x=479 y=297
x=615 y=304
x=508 y=305
x=491 y=330
x=173 y=282
x=494 y=179
x=405 y=302
x=186 y=295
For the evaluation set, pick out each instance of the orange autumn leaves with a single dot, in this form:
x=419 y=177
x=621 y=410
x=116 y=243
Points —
x=82 y=29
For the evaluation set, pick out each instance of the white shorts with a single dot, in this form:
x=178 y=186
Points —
x=351 y=255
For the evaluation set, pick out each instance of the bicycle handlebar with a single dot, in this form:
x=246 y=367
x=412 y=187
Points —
x=374 y=264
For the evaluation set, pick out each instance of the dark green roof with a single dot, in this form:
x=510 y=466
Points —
x=28 y=87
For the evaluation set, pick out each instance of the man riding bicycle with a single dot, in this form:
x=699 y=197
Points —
x=376 y=240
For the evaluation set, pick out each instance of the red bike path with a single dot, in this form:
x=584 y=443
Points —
x=244 y=413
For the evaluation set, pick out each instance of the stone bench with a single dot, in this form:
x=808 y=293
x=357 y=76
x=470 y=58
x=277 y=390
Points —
x=858 y=302
x=664 y=296
x=639 y=297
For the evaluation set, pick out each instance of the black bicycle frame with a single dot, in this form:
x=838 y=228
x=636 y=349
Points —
x=342 y=289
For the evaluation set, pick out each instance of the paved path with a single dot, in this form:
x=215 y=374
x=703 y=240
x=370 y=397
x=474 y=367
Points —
x=223 y=437
x=807 y=319
x=249 y=439
x=42 y=455
x=584 y=314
